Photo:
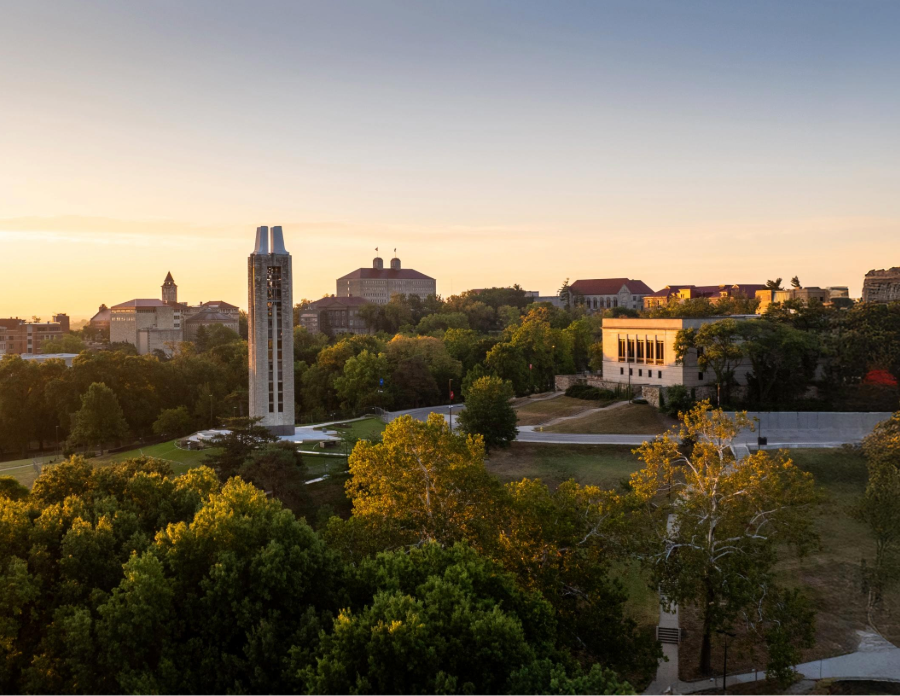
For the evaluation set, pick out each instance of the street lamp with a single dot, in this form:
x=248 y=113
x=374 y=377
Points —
x=726 y=635
x=58 y=453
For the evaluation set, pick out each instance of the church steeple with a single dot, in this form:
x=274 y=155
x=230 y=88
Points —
x=169 y=289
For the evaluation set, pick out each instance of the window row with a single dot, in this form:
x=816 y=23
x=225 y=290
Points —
x=643 y=350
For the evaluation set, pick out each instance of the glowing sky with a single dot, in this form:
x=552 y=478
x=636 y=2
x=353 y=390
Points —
x=490 y=142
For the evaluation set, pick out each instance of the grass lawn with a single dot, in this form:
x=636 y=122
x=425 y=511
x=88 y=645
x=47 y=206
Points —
x=181 y=460
x=22 y=470
x=601 y=465
x=537 y=412
x=830 y=575
x=630 y=419
x=365 y=429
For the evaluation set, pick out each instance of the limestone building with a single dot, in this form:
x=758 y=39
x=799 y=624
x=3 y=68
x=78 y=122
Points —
x=642 y=352
x=882 y=286
x=378 y=283
x=270 y=332
x=147 y=324
x=151 y=324
x=599 y=294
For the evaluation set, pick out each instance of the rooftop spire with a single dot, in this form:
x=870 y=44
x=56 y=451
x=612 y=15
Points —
x=278 y=241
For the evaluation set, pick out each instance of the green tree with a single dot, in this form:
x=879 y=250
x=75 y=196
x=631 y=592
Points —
x=488 y=412
x=67 y=343
x=444 y=620
x=100 y=419
x=717 y=347
x=879 y=509
x=783 y=360
x=507 y=362
x=774 y=284
x=362 y=383
x=242 y=437
x=795 y=283
x=715 y=542
x=173 y=422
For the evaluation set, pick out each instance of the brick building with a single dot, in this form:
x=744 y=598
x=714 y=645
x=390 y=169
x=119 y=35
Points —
x=378 y=283
x=23 y=337
x=334 y=315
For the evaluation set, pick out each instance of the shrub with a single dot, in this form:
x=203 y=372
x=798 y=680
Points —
x=678 y=399
x=583 y=391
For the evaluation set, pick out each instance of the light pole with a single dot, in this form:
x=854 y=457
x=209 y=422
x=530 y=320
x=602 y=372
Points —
x=726 y=635
x=450 y=408
x=58 y=453
x=212 y=421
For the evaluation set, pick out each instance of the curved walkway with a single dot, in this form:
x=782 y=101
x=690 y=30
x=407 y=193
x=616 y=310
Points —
x=875 y=659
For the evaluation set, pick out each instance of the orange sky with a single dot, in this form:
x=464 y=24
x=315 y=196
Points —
x=694 y=142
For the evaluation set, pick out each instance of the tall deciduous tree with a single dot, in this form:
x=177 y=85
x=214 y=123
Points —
x=100 y=419
x=422 y=483
x=879 y=509
x=783 y=360
x=488 y=412
x=729 y=517
x=717 y=346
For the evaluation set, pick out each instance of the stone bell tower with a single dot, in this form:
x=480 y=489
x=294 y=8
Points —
x=271 y=332
x=169 y=289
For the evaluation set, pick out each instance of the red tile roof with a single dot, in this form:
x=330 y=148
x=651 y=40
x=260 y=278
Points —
x=609 y=286
x=386 y=274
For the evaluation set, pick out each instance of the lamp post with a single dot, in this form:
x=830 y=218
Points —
x=726 y=635
x=450 y=407
x=212 y=421
x=58 y=453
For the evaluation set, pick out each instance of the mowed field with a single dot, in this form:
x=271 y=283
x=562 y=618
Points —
x=830 y=575
x=601 y=465
x=538 y=412
x=623 y=419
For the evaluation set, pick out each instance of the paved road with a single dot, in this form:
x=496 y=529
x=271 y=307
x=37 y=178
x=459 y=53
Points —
x=783 y=429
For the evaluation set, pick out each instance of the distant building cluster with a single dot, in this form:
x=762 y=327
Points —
x=21 y=337
x=882 y=286
x=151 y=324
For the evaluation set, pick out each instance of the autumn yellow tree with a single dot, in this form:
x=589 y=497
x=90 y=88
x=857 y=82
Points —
x=715 y=525
x=421 y=483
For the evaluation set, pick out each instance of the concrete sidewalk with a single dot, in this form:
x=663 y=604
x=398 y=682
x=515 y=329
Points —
x=875 y=659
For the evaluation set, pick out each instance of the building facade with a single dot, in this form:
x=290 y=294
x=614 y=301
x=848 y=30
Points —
x=209 y=316
x=270 y=332
x=25 y=338
x=642 y=352
x=152 y=325
x=882 y=286
x=148 y=325
x=767 y=296
x=335 y=315
x=713 y=293
x=601 y=294
x=378 y=284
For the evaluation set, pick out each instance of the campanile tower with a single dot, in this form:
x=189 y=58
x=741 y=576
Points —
x=271 y=332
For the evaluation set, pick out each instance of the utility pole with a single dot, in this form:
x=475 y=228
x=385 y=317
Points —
x=212 y=421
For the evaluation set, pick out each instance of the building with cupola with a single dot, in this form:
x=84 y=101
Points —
x=377 y=284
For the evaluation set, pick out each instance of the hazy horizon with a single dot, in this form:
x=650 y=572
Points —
x=491 y=143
